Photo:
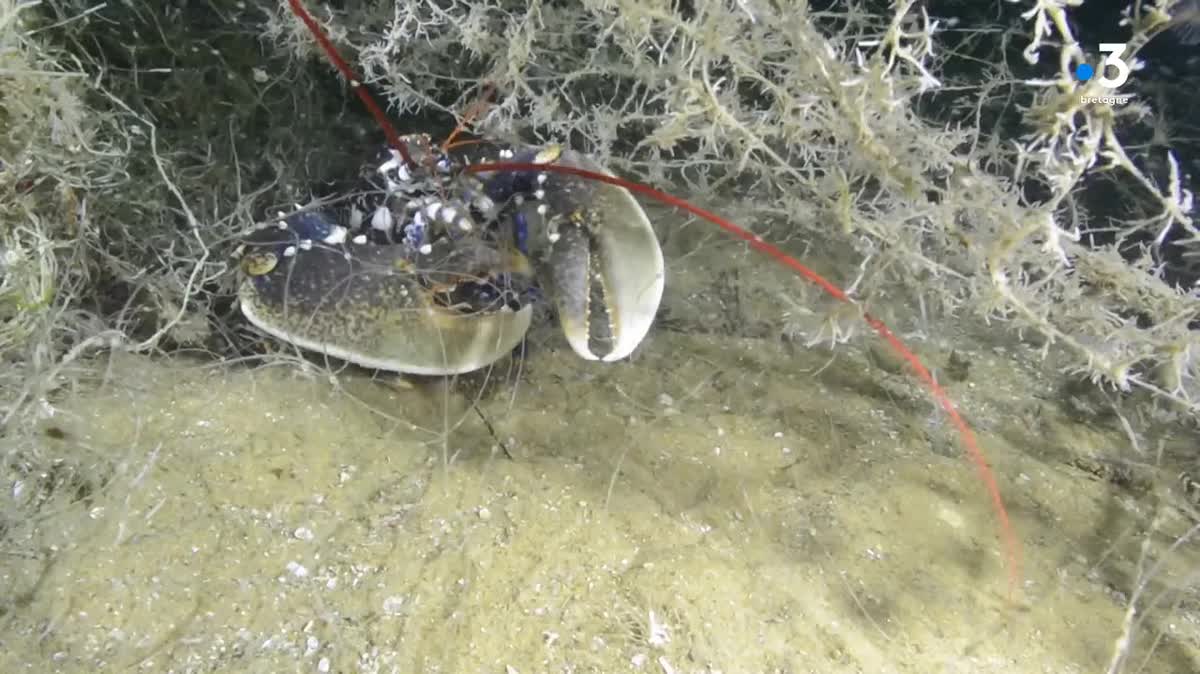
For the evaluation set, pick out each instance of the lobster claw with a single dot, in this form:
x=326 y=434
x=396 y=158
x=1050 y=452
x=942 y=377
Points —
x=604 y=267
x=367 y=305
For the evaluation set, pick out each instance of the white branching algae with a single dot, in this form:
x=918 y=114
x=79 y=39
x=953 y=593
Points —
x=1009 y=187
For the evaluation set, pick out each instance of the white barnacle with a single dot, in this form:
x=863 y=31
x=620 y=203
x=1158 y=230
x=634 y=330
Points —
x=448 y=214
x=338 y=234
x=289 y=251
x=554 y=237
x=543 y=209
x=395 y=162
x=541 y=178
x=432 y=209
x=465 y=224
x=426 y=249
x=539 y=194
x=305 y=244
x=360 y=239
x=382 y=219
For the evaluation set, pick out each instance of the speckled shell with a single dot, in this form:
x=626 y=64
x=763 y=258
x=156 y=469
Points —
x=363 y=304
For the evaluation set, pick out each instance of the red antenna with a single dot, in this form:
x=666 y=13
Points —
x=355 y=83
x=1011 y=544
x=477 y=108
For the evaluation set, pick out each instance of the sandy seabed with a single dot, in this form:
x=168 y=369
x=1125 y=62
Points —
x=716 y=505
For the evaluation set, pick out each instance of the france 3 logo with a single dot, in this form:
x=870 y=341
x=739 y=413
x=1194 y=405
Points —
x=1113 y=52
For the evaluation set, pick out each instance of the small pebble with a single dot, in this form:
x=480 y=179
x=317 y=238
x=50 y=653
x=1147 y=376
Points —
x=484 y=513
x=666 y=400
x=303 y=533
x=393 y=605
x=323 y=665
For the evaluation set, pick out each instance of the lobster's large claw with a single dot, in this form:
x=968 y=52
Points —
x=364 y=304
x=605 y=265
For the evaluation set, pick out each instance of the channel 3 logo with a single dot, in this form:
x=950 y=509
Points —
x=1114 y=50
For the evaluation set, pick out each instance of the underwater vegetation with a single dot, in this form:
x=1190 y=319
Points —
x=940 y=171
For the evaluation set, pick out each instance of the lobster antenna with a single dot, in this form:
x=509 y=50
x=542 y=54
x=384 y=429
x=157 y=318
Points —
x=1011 y=544
x=477 y=108
x=355 y=83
